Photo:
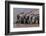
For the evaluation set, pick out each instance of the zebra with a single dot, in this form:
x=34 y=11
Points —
x=35 y=19
x=26 y=19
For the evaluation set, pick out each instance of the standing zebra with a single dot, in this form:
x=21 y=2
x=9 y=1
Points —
x=35 y=19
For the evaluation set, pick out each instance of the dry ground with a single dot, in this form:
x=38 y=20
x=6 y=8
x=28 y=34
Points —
x=25 y=25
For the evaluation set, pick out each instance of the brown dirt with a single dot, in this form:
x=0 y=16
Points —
x=25 y=25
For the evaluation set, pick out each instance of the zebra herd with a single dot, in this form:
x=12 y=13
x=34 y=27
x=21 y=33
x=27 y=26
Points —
x=27 y=19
